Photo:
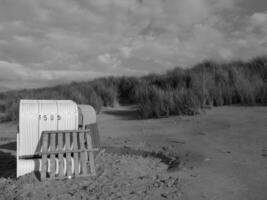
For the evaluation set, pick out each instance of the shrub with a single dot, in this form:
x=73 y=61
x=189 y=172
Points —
x=177 y=92
x=155 y=102
x=12 y=111
x=126 y=89
x=107 y=93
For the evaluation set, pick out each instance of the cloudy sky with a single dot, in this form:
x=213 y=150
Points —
x=46 y=42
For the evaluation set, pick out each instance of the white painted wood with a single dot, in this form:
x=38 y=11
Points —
x=36 y=116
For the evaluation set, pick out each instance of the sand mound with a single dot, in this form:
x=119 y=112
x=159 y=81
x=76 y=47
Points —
x=118 y=177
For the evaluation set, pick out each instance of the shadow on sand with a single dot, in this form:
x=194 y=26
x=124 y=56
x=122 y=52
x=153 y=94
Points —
x=124 y=114
x=7 y=165
x=173 y=162
x=8 y=162
x=9 y=146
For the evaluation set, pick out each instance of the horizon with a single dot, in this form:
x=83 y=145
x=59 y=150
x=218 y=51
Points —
x=46 y=43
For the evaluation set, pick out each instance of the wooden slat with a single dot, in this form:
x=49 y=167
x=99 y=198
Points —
x=75 y=154
x=67 y=151
x=91 y=154
x=94 y=136
x=60 y=155
x=97 y=142
x=52 y=157
x=80 y=175
x=44 y=156
x=68 y=155
x=36 y=156
x=83 y=156
x=95 y=133
x=62 y=152
x=67 y=131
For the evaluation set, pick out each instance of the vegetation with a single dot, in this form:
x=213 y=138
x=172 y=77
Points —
x=177 y=92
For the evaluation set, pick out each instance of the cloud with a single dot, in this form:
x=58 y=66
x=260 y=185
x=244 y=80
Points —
x=258 y=22
x=14 y=76
x=109 y=60
x=69 y=75
x=259 y=19
x=126 y=51
x=13 y=71
x=56 y=41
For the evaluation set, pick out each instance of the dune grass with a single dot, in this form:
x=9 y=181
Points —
x=176 y=92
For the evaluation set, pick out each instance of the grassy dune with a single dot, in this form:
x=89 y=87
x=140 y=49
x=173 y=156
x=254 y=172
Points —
x=176 y=92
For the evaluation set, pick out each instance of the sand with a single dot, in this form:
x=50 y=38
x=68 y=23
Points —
x=118 y=177
x=219 y=154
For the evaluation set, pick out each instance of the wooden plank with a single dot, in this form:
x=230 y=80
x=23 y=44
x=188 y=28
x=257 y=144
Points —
x=83 y=156
x=68 y=155
x=35 y=156
x=60 y=155
x=67 y=151
x=95 y=136
x=52 y=156
x=79 y=176
x=75 y=154
x=44 y=156
x=91 y=154
x=67 y=131
x=96 y=140
x=39 y=155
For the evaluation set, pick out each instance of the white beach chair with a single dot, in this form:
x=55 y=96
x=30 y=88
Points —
x=36 y=116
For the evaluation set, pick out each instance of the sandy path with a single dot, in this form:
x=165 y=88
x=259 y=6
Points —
x=223 y=151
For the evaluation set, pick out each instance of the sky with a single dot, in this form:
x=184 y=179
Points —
x=48 y=42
